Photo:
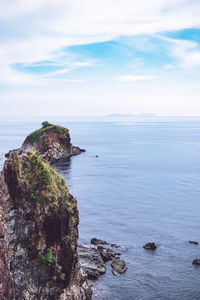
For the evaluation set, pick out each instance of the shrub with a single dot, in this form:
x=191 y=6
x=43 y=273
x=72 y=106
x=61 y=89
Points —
x=48 y=258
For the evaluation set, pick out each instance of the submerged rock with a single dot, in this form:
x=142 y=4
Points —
x=95 y=241
x=196 y=262
x=115 y=246
x=51 y=142
x=119 y=266
x=91 y=261
x=150 y=246
x=193 y=242
x=107 y=254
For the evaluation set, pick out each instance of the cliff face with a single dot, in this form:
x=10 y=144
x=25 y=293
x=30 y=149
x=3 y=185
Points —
x=51 y=142
x=6 y=282
x=39 y=232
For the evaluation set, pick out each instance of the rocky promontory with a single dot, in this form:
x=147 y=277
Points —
x=39 y=223
x=51 y=142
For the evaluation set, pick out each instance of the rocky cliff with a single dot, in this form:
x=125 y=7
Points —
x=51 y=142
x=38 y=229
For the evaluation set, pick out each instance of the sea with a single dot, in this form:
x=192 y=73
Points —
x=136 y=183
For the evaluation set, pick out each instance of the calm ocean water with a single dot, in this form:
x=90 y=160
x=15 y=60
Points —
x=144 y=186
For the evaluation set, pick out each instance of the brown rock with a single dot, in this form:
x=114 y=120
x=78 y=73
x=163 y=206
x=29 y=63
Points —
x=118 y=266
x=95 y=241
x=193 y=242
x=196 y=262
x=150 y=246
x=41 y=230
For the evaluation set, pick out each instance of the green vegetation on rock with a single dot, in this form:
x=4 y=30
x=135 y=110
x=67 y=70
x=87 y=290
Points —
x=72 y=237
x=48 y=258
x=35 y=136
x=41 y=181
x=39 y=185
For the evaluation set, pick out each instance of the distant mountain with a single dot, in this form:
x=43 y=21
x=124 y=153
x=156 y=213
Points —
x=144 y=115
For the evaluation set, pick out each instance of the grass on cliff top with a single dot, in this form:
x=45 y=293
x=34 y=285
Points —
x=41 y=181
x=35 y=136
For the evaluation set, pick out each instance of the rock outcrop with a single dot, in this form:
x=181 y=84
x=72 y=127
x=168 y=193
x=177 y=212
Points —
x=119 y=266
x=6 y=282
x=193 y=242
x=150 y=246
x=51 y=142
x=38 y=229
x=91 y=261
x=196 y=262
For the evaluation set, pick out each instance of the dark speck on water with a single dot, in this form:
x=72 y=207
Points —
x=144 y=188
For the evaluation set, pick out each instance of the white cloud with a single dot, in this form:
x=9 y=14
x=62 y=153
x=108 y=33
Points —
x=186 y=53
x=169 y=67
x=43 y=28
x=129 y=78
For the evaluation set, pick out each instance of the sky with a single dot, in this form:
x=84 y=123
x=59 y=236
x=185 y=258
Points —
x=99 y=57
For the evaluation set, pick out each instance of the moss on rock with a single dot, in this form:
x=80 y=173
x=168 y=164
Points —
x=35 y=136
x=41 y=181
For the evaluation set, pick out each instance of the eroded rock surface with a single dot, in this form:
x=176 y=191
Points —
x=6 y=282
x=119 y=266
x=91 y=261
x=39 y=235
x=107 y=253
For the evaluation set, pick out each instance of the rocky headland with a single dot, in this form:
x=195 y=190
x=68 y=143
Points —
x=51 y=143
x=39 y=222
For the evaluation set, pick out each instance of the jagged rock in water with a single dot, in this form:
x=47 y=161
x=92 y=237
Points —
x=95 y=241
x=41 y=230
x=193 y=242
x=150 y=246
x=108 y=254
x=119 y=266
x=196 y=262
x=115 y=246
x=51 y=142
x=91 y=261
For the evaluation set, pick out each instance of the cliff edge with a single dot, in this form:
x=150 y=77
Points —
x=38 y=229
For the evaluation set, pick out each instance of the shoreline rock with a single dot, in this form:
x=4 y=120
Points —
x=91 y=261
x=107 y=254
x=118 y=266
x=95 y=241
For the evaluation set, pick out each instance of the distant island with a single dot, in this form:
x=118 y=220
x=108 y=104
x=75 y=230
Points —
x=115 y=117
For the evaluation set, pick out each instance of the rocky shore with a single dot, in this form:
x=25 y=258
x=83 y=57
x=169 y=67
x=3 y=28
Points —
x=93 y=259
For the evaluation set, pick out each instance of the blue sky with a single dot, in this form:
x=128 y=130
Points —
x=99 y=57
